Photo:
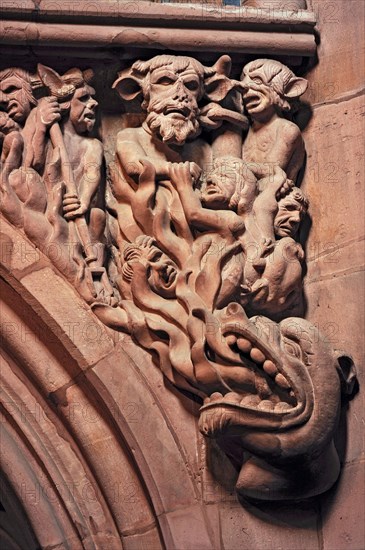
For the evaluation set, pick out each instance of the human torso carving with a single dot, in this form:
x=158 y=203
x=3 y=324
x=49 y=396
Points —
x=197 y=240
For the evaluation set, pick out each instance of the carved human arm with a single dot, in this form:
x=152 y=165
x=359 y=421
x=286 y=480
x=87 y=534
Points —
x=223 y=222
x=212 y=115
x=142 y=200
x=35 y=131
x=77 y=205
x=131 y=153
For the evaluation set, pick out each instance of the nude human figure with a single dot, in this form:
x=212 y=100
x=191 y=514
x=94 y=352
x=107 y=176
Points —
x=233 y=209
x=172 y=89
x=268 y=86
x=33 y=117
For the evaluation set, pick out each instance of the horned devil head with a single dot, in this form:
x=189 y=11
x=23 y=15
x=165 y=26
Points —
x=172 y=87
x=268 y=85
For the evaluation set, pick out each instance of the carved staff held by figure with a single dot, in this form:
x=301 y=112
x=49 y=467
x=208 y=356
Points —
x=99 y=281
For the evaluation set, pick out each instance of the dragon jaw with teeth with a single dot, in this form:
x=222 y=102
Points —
x=286 y=410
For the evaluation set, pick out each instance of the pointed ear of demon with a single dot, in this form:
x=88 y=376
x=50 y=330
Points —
x=347 y=372
x=129 y=84
x=295 y=87
x=217 y=82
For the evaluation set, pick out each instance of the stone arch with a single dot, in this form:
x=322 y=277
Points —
x=99 y=479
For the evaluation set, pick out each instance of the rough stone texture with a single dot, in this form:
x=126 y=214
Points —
x=87 y=336
x=284 y=527
x=342 y=527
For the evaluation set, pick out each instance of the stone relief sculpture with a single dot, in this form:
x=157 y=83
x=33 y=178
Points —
x=191 y=251
x=268 y=87
x=41 y=191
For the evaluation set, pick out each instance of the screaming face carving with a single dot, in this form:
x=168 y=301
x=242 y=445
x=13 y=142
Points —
x=161 y=271
x=173 y=104
x=172 y=87
x=286 y=413
x=292 y=209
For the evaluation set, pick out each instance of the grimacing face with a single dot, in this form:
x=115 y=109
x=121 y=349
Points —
x=13 y=100
x=288 y=218
x=82 y=109
x=161 y=273
x=258 y=96
x=220 y=185
x=174 y=94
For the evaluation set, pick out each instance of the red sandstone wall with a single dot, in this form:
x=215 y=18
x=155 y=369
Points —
x=335 y=281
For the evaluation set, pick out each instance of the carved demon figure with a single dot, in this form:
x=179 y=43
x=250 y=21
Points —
x=202 y=244
x=268 y=87
x=202 y=248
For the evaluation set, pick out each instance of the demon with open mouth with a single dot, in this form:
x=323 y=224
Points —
x=271 y=390
x=202 y=249
x=193 y=249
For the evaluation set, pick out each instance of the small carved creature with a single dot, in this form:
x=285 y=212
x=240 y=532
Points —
x=268 y=86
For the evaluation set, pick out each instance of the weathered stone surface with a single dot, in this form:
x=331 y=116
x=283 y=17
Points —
x=335 y=169
x=151 y=434
x=342 y=511
x=327 y=298
x=85 y=334
x=284 y=527
x=140 y=541
x=112 y=465
x=337 y=73
x=188 y=524
x=334 y=307
x=41 y=430
x=18 y=255
x=24 y=338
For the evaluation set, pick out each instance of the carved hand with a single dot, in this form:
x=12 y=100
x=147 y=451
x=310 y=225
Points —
x=49 y=111
x=72 y=207
x=285 y=188
x=183 y=174
x=212 y=115
x=7 y=124
x=195 y=171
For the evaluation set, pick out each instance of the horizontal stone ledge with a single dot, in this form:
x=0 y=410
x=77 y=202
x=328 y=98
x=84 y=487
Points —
x=195 y=15
x=35 y=34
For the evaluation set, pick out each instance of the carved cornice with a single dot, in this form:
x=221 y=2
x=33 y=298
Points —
x=160 y=27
